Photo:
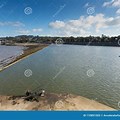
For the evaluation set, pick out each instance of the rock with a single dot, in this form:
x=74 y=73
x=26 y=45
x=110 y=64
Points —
x=14 y=102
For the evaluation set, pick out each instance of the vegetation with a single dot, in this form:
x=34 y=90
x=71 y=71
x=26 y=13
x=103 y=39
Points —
x=90 y=40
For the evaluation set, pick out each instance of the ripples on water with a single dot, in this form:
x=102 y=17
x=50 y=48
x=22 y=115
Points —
x=63 y=69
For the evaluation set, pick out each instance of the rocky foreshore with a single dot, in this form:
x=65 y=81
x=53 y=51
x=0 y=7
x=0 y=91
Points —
x=50 y=102
x=28 y=50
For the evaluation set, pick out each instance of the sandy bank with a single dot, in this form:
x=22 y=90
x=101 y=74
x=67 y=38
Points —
x=52 y=102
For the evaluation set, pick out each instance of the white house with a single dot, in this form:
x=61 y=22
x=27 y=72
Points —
x=0 y=42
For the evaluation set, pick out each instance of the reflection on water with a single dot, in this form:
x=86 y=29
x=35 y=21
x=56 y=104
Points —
x=92 y=72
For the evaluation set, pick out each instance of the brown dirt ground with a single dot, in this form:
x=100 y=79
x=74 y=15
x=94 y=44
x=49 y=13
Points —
x=51 y=102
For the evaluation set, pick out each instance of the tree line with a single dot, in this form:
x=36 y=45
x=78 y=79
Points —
x=90 y=40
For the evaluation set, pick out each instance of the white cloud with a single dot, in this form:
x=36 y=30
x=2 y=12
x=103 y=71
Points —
x=57 y=24
x=86 y=5
x=2 y=5
x=23 y=32
x=14 y=24
x=118 y=11
x=85 y=25
x=37 y=30
x=113 y=3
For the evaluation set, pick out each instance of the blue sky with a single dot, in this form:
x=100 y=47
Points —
x=59 y=17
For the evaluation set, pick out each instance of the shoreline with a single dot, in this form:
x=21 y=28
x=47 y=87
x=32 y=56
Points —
x=63 y=101
x=52 y=102
x=30 y=49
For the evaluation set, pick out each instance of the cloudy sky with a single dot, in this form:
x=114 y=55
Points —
x=59 y=17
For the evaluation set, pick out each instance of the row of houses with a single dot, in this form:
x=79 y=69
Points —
x=5 y=42
x=2 y=42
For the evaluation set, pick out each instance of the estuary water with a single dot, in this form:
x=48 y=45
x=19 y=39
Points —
x=89 y=71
